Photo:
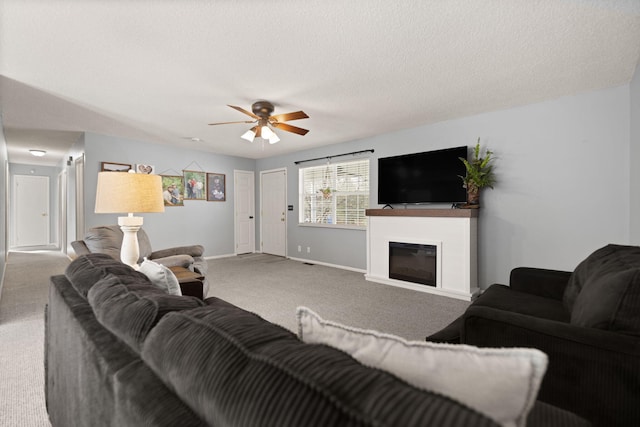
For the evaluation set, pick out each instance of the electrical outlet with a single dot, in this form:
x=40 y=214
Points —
x=308 y=249
x=299 y=248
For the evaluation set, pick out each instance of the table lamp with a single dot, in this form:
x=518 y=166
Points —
x=121 y=192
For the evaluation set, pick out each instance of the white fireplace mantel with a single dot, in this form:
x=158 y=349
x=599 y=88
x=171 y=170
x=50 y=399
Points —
x=454 y=229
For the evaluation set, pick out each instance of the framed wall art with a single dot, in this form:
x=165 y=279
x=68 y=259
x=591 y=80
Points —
x=195 y=185
x=114 y=167
x=142 y=168
x=173 y=190
x=216 y=190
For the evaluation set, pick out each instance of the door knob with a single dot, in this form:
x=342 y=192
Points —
x=251 y=217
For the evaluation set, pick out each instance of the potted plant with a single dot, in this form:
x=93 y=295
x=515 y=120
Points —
x=326 y=192
x=479 y=175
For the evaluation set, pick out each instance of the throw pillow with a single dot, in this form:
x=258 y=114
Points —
x=500 y=383
x=160 y=276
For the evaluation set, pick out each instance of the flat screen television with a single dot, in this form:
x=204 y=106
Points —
x=428 y=177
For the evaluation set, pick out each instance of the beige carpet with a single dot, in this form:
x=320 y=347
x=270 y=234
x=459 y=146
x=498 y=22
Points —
x=274 y=286
x=24 y=295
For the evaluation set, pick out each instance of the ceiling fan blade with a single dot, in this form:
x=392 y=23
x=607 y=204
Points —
x=242 y=110
x=289 y=116
x=289 y=128
x=228 y=123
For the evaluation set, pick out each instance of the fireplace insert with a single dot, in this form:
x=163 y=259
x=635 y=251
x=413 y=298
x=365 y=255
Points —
x=412 y=262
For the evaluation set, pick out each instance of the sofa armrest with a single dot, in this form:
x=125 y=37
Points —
x=539 y=281
x=185 y=261
x=592 y=372
x=79 y=247
x=192 y=250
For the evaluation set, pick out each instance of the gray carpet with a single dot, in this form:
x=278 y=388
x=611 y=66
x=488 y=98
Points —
x=270 y=286
x=24 y=295
x=273 y=287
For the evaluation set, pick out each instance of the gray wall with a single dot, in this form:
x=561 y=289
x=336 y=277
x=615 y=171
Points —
x=563 y=182
x=197 y=222
x=52 y=174
x=634 y=158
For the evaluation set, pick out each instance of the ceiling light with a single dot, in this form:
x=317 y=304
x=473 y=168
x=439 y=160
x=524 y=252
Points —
x=274 y=138
x=249 y=135
x=38 y=153
x=267 y=133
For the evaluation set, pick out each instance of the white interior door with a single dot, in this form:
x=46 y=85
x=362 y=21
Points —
x=244 y=207
x=273 y=216
x=31 y=219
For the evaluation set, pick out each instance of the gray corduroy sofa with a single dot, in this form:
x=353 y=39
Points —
x=121 y=352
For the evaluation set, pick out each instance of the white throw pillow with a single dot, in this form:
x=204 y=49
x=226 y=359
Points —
x=501 y=383
x=160 y=276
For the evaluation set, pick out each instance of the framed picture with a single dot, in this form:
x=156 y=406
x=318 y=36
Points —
x=216 y=191
x=173 y=190
x=148 y=169
x=195 y=185
x=114 y=167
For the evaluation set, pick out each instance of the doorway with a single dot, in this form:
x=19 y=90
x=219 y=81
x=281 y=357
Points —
x=31 y=212
x=244 y=208
x=273 y=218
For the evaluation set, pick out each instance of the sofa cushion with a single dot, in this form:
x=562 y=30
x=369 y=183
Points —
x=84 y=271
x=501 y=383
x=502 y=297
x=610 y=301
x=160 y=276
x=130 y=311
x=234 y=368
x=606 y=260
x=604 y=290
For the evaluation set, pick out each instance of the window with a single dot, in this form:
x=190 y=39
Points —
x=335 y=194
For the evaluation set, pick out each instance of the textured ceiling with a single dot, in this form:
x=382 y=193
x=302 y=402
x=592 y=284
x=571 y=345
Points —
x=160 y=71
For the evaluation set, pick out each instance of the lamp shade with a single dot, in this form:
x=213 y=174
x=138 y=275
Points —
x=121 y=192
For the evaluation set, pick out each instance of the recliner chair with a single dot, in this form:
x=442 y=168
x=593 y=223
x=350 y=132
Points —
x=586 y=321
x=107 y=239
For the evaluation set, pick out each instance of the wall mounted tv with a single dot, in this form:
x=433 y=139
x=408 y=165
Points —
x=428 y=177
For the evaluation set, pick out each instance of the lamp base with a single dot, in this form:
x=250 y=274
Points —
x=130 y=251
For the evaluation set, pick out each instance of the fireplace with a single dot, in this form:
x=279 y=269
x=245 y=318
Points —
x=452 y=231
x=412 y=262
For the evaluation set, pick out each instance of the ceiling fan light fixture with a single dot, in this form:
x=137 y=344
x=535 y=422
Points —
x=265 y=122
x=274 y=138
x=248 y=135
x=267 y=133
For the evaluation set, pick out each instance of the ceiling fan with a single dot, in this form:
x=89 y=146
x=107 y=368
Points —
x=264 y=121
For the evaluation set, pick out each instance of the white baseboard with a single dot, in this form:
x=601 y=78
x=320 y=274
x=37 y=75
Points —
x=326 y=264
x=310 y=261
x=220 y=256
